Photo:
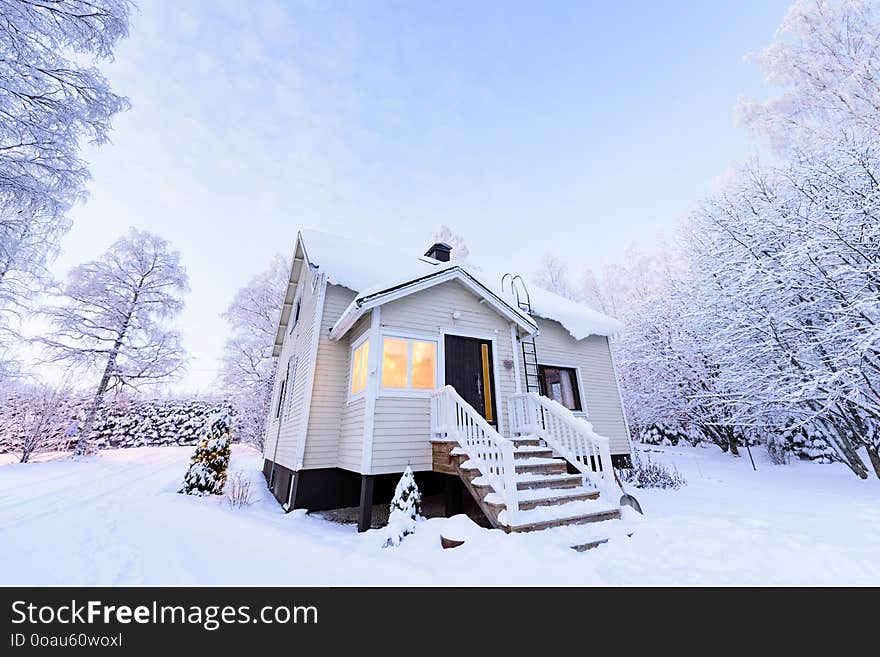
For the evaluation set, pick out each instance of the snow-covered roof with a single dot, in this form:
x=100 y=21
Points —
x=372 y=270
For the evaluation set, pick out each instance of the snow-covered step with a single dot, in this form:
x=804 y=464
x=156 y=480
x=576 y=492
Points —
x=587 y=536
x=570 y=513
x=529 y=480
x=526 y=440
x=535 y=497
x=541 y=465
x=532 y=451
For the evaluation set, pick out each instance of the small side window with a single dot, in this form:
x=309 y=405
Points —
x=359 y=360
x=294 y=316
x=280 y=401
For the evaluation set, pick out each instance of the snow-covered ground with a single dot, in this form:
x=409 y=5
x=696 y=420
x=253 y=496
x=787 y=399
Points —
x=116 y=519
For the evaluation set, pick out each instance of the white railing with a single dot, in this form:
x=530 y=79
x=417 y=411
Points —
x=566 y=434
x=452 y=418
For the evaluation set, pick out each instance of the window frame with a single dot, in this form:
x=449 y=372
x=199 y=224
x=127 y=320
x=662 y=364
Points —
x=578 y=383
x=409 y=391
x=279 y=403
x=295 y=311
x=357 y=344
x=290 y=381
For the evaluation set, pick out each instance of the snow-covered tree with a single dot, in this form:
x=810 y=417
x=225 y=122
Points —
x=247 y=374
x=826 y=58
x=552 y=275
x=28 y=242
x=35 y=418
x=207 y=470
x=446 y=235
x=52 y=97
x=112 y=316
x=406 y=509
x=763 y=325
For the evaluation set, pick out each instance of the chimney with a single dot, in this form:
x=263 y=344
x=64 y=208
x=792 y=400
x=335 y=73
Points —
x=440 y=251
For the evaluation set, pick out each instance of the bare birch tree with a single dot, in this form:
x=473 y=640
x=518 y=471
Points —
x=448 y=236
x=36 y=419
x=248 y=369
x=552 y=275
x=112 y=317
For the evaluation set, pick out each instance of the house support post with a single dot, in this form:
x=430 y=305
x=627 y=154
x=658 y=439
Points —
x=291 y=498
x=365 y=513
x=453 y=496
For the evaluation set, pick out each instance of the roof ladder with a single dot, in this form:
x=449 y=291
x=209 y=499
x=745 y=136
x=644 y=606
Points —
x=520 y=294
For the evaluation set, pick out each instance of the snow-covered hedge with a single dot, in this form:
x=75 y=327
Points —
x=153 y=422
x=120 y=423
x=807 y=442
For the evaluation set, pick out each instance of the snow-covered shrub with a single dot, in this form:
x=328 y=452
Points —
x=646 y=473
x=662 y=434
x=207 y=470
x=238 y=490
x=35 y=419
x=406 y=509
x=810 y=442
x=778 y=449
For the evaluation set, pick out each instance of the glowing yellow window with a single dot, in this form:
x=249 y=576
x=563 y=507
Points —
x=359 y=368
x=395 y=357
x=409 y=364
x=424 y=364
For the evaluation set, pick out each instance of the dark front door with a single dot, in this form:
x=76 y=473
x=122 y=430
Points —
x=469 y=370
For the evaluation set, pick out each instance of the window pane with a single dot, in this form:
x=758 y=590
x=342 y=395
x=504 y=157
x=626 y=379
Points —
x=424 y=365
x=362 y=372
x=354 y=369
x=394 y=362
x=567 y=389
x=560 y=384
x=359 y=368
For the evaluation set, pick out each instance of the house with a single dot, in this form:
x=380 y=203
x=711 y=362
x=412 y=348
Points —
x=387 y=360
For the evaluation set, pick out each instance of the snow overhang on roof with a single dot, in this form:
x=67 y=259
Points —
x=441 y=273
x=379 y=275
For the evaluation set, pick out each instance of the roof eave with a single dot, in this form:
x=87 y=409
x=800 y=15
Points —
x=357 y=308
x=296 y=268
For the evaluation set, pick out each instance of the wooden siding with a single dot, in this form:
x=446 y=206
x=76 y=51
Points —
x=349 y=451
x=401 y=429
x=289 y=429
x=592 y=357
x=328 y=411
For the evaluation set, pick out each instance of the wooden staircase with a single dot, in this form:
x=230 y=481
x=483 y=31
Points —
x=549 y=496
x=525 y=483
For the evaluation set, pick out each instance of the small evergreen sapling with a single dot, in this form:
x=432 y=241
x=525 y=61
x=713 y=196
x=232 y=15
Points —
x=207 y=470
x=406 y=509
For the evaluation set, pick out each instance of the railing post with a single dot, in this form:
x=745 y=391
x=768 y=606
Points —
x=512 y=416
x=607 y=467
x=451 y=417
x=511 y=496
x=529 y=413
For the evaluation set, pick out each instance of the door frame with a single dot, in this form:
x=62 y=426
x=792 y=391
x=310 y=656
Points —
x=492 y=339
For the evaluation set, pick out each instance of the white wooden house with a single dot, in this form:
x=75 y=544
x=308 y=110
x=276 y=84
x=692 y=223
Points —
x=387 y=360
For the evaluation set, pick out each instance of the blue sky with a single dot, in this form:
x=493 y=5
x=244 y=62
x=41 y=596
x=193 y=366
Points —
x=577 y=128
